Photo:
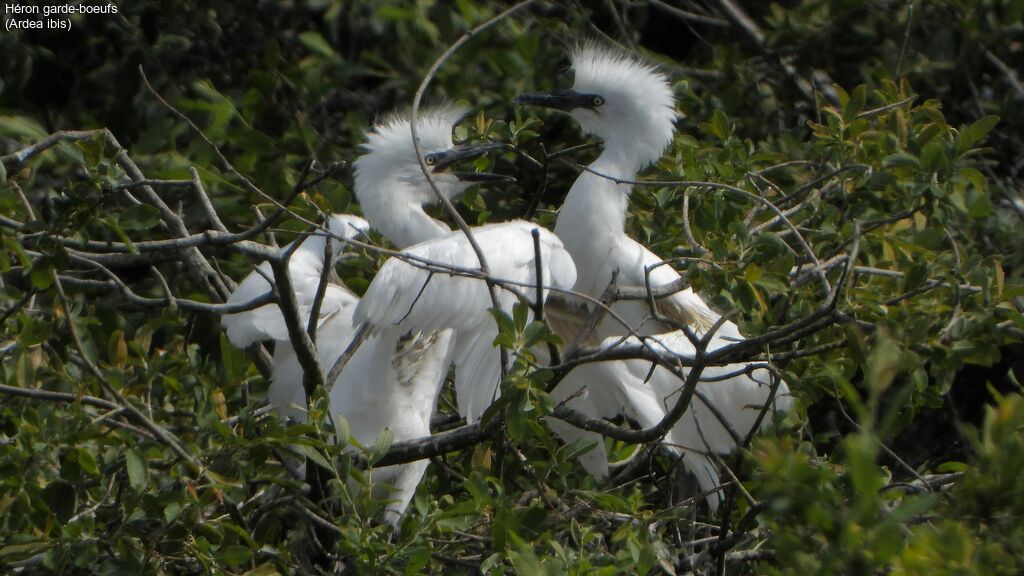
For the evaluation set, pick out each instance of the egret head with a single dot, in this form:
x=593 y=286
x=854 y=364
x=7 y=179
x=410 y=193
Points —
x=389 y=182
x=390 y=167
x=626 y=103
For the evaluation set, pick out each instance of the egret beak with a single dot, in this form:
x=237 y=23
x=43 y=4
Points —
x=567 y=100
x=442 y=160
x=478 y=177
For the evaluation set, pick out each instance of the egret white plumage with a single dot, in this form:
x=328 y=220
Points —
x=392 y=379
x=446 y=302
x=422 y=321
x=266 y=323
x=631 y=108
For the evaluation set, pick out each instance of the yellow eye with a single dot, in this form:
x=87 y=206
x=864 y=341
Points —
x=597 y=101
x=430 y=160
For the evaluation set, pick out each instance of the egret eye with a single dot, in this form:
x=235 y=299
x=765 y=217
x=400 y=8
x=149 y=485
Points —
x=597 y=101
x=430 y=159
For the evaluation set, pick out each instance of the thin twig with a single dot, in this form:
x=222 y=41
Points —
x=204 y=200
x=701 y=250
x=443 y=199
x=689 y=16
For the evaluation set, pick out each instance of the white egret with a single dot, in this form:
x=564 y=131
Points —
x=388 y=383
x=422 y=321
x=630 y=107
x=266 y=323
x=419 y=322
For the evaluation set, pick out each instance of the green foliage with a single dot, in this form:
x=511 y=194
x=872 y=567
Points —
x=909 y=156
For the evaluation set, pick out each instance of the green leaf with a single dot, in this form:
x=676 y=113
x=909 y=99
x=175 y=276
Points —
x=978 y=205
x=112 y=223
x=117 y=349
x=975 y=133
x=930 y=238
x=25 y=370
x=234 y=555
x=137 y=469
x=60 y=497
x=480 y=461
x=19 y=252
x=720 y=125
x=171 y=512
x=316 y=43
x=315 y=455
x=341 y=431
x=535 y=332
x=496 y=408
x=232 y=359
x=87 y=461
x=975 y=177
x=885 y=362
x=139 y=217
x=144 y=337
x=951 y=466
x=267 y=569
x=855 y=104
x=520 y=312
x=220 y=479
x=21 y=551
x=42 y=274
x=35 y=331
x=933 y=157
x=381 y=446
x=578 y=448
x=506 y=326
x=21 y=128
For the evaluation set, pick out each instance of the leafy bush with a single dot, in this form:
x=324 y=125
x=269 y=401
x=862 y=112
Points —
x=131 y=435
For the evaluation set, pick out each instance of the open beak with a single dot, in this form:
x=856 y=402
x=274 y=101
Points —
x=456 y=154
x=566 y=100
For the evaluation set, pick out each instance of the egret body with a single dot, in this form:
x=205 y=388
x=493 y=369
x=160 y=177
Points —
x=631 y=108
x=393 y=378
x=266 y=323
x=421 y=322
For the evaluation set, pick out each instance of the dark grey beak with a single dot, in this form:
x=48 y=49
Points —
x=477 y=177
x=440 y=161
x=566 y=100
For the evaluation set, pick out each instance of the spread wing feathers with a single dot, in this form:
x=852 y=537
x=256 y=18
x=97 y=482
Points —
x=304 y=268
x=597 y=390
x=477 y=370
x=404 y=292
x=409 y=297
x=702 y=468
x=334 y=333
x=335 y=328
x=736 y=396
x=683 y=306
x=245 y=328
